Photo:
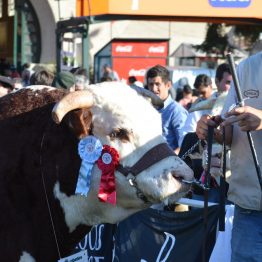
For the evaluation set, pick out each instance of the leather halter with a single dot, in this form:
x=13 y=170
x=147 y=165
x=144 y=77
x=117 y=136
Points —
x=154 y=155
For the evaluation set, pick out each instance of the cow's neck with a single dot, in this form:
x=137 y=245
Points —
x=88 y=210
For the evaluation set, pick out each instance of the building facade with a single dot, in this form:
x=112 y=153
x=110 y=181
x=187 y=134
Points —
x=28 y=31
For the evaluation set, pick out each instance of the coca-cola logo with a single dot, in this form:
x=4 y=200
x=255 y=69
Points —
x=156 y=49
x=124 y=48
x=136 y=72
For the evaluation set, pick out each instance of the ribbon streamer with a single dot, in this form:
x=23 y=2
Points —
x=89 y=149
x=107 y=163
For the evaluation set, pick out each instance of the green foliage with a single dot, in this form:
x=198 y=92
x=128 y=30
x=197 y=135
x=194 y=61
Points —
x=249 y=32
x=216 y=41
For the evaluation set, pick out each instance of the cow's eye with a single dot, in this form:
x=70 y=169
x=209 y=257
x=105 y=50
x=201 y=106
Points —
x=121 y=134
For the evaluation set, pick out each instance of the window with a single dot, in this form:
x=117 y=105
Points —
x=11 y=8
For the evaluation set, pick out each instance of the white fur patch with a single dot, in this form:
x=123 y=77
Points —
x=26 y=257
x=72 y=207
x=40 y=87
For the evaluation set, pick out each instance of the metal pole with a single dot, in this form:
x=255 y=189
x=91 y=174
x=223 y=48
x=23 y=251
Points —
x=23 y=38
x=58 y=50
x=85 y=49
x=15 y=40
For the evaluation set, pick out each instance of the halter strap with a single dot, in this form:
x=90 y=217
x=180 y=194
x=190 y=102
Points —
x=152 y=156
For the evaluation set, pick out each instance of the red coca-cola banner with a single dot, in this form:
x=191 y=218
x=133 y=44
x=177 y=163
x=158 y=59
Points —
x=134 y=58
x=126 y=67
x=148 y=49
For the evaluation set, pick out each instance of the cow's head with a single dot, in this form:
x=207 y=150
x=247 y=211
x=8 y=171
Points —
x=119 y=117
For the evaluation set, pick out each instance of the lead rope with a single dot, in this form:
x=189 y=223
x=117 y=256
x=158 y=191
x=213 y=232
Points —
x=222 y=191
x=206 y=187
x=190 y=150
x=47 y=201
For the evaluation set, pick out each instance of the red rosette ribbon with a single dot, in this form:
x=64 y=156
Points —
x=107 y=163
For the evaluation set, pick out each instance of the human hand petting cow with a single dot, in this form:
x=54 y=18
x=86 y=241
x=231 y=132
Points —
x=248 y=118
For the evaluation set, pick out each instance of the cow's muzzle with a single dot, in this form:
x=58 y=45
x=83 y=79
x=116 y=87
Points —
x=154 y=155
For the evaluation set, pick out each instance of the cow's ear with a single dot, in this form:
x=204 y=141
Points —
x=80 y=121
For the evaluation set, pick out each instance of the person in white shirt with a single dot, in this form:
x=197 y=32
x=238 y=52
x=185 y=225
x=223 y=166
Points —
x=223 y=79
x=245 y=189
x=203 y=84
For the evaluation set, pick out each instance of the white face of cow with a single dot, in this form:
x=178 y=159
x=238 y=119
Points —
x=126 y=121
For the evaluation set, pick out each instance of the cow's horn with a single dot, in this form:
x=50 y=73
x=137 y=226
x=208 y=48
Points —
x=73 y=100
x=203 y=105
x=214 y=103
x=155 y=100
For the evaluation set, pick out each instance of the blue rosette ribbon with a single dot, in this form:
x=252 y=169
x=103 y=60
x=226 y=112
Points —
x=89 y=150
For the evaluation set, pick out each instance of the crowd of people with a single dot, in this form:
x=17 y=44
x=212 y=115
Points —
x=193 y=110
x=11 y=80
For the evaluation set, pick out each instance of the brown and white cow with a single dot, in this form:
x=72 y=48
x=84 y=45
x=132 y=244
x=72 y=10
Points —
x=39 y=166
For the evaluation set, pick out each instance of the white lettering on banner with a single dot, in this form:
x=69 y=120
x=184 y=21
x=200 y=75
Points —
x=114 y=248
x=170 y=240
x=78 y=257
x=173 y=240
x=95 y=233
x=82 y=247
x=95 y=259
x=138 y=72
x=156 y=49
x=98 y=243
x=124 y=48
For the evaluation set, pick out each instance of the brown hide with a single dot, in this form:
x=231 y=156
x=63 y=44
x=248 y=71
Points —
x=32 y=146
x=80 y=121
x=25 y=100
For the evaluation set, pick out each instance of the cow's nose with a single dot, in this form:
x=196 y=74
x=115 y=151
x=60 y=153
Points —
x=177 y=177
x=186 y=174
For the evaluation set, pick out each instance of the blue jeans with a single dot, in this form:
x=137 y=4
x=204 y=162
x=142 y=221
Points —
x=246 y=242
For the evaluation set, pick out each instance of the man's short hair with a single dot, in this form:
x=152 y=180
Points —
x=81 y=71
x=221 y=69
x=42 y=77
x=187 y=89
x=202 y=80
x=158 y=70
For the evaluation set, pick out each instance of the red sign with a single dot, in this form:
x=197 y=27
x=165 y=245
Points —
x=140 y=49
x=133 y=66
x=133 y=58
